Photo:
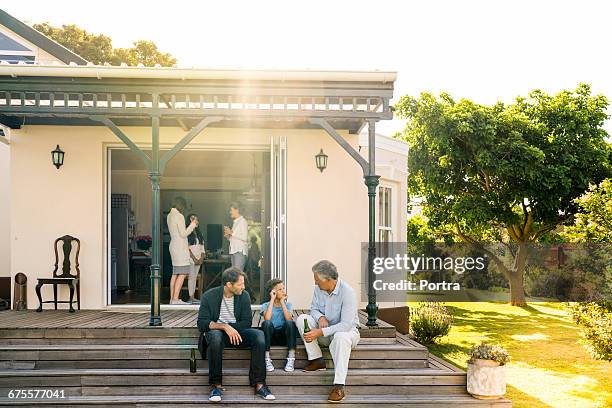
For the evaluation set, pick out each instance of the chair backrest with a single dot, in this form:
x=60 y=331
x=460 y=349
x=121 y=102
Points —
x=67 y=241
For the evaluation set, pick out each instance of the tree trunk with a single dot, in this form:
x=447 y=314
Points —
x=517 y=287
x=517 y=291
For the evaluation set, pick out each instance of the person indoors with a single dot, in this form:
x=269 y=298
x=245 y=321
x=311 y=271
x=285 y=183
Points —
x=237 y=236
x=197 y=253
x=179 y=248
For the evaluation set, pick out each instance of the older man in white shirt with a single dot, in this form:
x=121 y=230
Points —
x=237 y=236
x=333 y=322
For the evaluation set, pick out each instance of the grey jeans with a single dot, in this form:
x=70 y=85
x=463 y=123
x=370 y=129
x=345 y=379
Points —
x=238 y=260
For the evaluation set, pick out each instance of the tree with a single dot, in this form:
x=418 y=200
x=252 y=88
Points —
x=417 y=230
x=99 y=50
x=505 y=173
x=594 y=221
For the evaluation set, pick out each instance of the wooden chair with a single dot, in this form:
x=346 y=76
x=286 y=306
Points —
x=65 y=278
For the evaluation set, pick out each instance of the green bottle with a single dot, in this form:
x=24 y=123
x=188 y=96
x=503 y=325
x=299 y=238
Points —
x=306 y=328
x=192 y=361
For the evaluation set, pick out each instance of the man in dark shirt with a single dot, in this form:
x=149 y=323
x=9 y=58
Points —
x=225 y=319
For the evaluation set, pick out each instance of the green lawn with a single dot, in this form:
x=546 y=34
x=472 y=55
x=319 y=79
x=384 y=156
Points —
x=549 y=368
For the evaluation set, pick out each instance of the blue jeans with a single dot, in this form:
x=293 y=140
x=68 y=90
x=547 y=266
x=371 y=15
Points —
x=217 y=340
x=283 y=336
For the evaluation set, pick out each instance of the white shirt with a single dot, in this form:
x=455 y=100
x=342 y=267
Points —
x=226 y=312
x=179 y=246
x=238 y=239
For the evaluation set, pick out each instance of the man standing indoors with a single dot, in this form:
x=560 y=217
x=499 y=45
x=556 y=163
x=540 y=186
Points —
x=237 y=236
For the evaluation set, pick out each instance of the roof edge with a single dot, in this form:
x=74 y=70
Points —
x=386 y=143
x=97 y=71
x=40 y=40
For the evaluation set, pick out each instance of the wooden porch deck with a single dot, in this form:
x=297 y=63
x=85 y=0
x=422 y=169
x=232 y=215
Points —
x=110 y=319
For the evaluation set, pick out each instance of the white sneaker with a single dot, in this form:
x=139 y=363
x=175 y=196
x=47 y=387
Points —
x=290 y=364
x=269 y=365
x=178 y=302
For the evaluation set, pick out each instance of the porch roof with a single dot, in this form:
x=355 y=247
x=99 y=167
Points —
x=70 y=95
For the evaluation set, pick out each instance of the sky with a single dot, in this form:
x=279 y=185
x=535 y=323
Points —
x=487 y=51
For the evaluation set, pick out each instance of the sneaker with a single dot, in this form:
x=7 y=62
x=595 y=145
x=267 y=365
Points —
x=290 y=366
x=215 y=394
x=269 y=365
x=265 y=393
x=178 y=302
x=194 y=301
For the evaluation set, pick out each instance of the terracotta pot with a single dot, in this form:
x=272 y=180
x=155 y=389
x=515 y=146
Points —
x=486 y=379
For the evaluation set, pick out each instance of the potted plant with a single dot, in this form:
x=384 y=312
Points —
x=486 y=374
x=143 y=242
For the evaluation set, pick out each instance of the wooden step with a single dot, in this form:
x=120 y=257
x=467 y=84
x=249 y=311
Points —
x=182 y=363
x=232 y=376
x=28 y=323
x=176 y=351
x=250 y=401
x=115 y=382
x=237 y=390
x=144 y=340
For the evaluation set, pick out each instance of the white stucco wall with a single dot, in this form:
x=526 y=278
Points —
x=327 y=212
x=5 y=247
x=391 y=166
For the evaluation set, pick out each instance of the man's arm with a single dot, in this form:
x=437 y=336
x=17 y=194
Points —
x=204 y=315
x=245 y=313
x=317 y=308
x=347 y=315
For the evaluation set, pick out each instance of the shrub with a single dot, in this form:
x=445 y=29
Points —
x=595 y=321
x=584 y=275
x=429 y=321
x=486 y=351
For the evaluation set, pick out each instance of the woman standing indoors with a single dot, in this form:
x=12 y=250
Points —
x=179 y=248
x=197 y=253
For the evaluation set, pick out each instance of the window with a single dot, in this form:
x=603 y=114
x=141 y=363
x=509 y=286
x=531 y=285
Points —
x=14 y=52
x=385 y=227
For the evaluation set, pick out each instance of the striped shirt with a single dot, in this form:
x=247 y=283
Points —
x=226 y=313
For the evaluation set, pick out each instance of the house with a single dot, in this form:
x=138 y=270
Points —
x=252 y=137
x=296 y=148
x=20 y=44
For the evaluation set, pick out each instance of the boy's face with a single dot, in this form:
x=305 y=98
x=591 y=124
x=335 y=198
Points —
x=280 y=290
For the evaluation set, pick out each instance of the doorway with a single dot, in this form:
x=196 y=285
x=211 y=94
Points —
x=209 y=180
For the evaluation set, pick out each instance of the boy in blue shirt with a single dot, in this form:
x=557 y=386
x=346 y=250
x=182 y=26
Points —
x=278 y=325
